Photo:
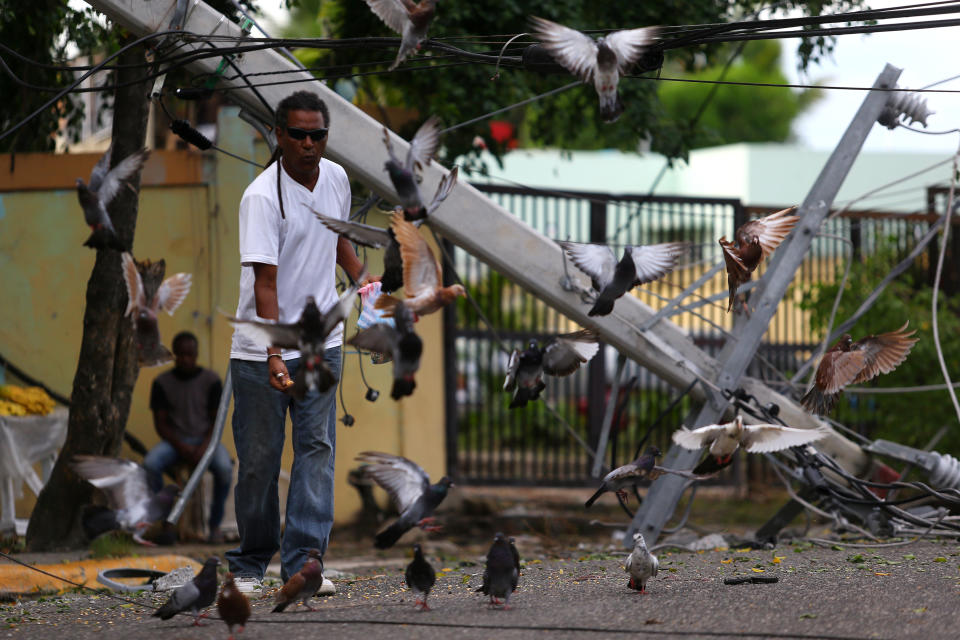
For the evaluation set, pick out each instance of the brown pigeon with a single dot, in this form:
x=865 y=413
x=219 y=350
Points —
x=756 y=240
x=303 y=584
x=410 y=20
x=849 y=362
x=233 y=606
x=143 y=307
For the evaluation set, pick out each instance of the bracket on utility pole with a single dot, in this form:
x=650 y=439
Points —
x=741 y=348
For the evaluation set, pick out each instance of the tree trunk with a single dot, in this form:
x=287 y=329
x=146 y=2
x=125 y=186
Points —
x=107 y=369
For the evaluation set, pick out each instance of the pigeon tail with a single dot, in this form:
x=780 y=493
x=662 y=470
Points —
x=402 y=387
x=281 y=606
x=817 y=402
x=167 y=611
x=97 y=520
x=610 y=109
x=601 y=307
x=387 y=303
x=710 y=465
x=522 y=396
x=103 y=238
x=594 y=497
x=154 y=355
x=389 y=536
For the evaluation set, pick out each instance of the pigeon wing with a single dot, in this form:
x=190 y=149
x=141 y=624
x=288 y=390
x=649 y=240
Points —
x=392 y=12
x=424 y=144
x=365 y=234
x=656 y=260
x=575 y=51
x=172 y=291
x=403 y=480
x=513 y=365
x=628 y=45
x=771 y=230
x=131 y=277
x=443 y=189
x=765 y=438
x=884 y=353
x=123 y=481
x=595 y=260
x=100 y=170
x=340 y=309
x=564 y=354
x=116 y=176
x=421 y=273
x=698 y=438
x=380 y=338
x=837 y=369
x=268 y=334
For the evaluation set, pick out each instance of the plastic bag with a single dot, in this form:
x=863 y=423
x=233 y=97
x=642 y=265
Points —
x=370 y=316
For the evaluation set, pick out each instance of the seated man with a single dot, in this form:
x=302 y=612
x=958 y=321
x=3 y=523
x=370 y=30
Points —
x=184 y=402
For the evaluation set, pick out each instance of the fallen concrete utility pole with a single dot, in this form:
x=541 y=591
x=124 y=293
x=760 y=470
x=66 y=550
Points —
x=468 y=218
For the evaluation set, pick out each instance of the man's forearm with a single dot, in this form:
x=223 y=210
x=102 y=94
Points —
x=347 y=258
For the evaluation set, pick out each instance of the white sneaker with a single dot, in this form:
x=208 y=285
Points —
x=248 y=584
x=327 y=588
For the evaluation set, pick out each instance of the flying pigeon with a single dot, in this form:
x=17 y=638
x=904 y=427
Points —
x=233 y=606
x=197 y=594
x=133 y=507
x=644 y=467
x=143 y=308
x=422 y=149
x=639 y=265
x=410 y=20
x=422 y=275
x=501 y=575
x=420 y=577
x=598 y=62
x=408 y=485
x=560 y=356
x=377 y=238
x=849 y=362
x=641 y=564
x=103 y=188
x=308 y=335
x=303 y=584
x=400 y=342
x=725 y=439
x=756 y=240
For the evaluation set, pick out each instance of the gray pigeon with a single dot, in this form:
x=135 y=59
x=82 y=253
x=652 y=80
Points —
x=420 y=577
x=502 y=573
x=597 y=62
x=641 y=565
x=133 y=507
x=422 y=149
x=308 y=334
x=559 y=356
x=408 y=485
x=400 y=342
x=197 y=594
x=408 y=19
x=639 y=265
x=104 y=185
x=377 y=238
x=628 y=475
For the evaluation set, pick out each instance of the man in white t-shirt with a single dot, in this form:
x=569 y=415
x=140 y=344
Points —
x=287 y=255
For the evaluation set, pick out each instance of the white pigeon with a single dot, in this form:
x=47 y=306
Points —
x=598 y=62
x=725 y=439
x=641 y=564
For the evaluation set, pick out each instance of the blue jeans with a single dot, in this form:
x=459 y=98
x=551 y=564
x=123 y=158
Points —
x=259 y=416
x=162 y=456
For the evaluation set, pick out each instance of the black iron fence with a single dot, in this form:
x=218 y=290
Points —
x=489 y=443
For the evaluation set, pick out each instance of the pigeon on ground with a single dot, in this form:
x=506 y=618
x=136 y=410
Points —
x=422 y=275
x=303 y=584
x=725 y=439
x=420 y=577
x=233 y=606
x=104 y=185
x=639 y=265
x=559 y=356
x=597 y=62
x=756 y=240
x=400 y=342
x=422 y=149
x=197 y=594
x=133 y=507
x=410 y=20
x=408 y=485
x=308 y=335
x=641 y=565
x=501 y=575
x=143 y=307
x=377 y=238
x=849 y=362
x=629 y=475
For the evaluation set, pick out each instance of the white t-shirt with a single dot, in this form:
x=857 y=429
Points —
x=303 y=249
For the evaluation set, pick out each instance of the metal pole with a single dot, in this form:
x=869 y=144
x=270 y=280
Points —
x=740 y=350
x=608 y=417
x=197 y=474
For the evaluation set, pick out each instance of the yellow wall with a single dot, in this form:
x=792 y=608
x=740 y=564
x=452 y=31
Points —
x=188 y=216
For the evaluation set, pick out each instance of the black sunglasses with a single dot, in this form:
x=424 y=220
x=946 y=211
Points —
x=299 y=134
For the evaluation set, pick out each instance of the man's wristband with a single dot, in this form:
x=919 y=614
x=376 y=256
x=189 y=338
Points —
x=274 y=355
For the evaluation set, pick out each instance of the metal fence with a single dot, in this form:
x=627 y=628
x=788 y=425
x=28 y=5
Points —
x=491 y=444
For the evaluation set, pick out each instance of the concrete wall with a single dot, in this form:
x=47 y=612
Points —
x=188 y=216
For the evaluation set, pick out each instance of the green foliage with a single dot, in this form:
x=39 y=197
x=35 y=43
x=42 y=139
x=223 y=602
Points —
x=913 y=418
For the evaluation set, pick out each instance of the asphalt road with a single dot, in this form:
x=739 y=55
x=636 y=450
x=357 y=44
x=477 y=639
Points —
x=823 y=592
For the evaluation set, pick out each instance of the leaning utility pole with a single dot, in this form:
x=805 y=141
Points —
x=740 y=349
